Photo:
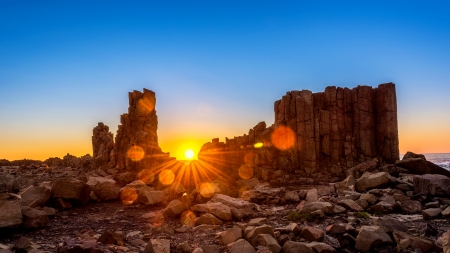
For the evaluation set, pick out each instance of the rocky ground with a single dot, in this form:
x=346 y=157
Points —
x=375 y=209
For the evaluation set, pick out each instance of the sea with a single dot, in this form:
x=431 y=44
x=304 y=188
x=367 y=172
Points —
x=441 y=159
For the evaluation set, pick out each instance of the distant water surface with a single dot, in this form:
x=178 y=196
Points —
x=441 y=159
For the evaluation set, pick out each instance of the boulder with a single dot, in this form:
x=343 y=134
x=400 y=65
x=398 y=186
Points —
x=9 y=184
x=349 y=205
x=230 y=235
x=326 y=207
x=216 y=208
x=207 y=219
x=109 y=237
x=410 y=206
x=157 y=246
x=264 y=229
x=416 y=166
x=445 y=240
x=291 y=196
x=446 y=212
x=241 y=246
x=346 y=185
x=73 y=190
x=432 y=184
x=174 y=208
x=10 y=211
x=312 y=234
x=370 y=198
x=312 y=196
x=321 y=247
x=406 y=241
x=370 y=237
x=33 y=218
x=268 y=241
x=370 y=181
x=389 y=224
x=107 y=190
x=296 y=247
x=244 y=207
x=23 y=244
x=150 y=197
x=431 y=213
x=34 y=196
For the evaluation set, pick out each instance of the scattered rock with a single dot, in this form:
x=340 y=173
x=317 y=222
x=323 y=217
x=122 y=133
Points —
x=370 y=237
x=431 y=213
x=268 y=241
x=73 y=190
x=370 y=181
x=296 y=247
x=230 y=235
x=157 y=246
x=10 y=211
x=432 y=184
x=241 y=246
x=33 y=218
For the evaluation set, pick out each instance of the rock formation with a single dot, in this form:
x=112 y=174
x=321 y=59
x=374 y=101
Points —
x=315 y=135
x=136 y=144
x=103 y=146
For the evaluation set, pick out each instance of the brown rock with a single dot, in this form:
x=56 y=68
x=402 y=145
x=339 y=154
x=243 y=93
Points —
x=174 y=208
x=33 y=218
x=158 y=246
x=405 y=241
x=73 y=190
x=312 y=234
x=370 y=181
x=432 y=184
x=370 y=237
x=295 y=247
x=230 y=235
x=207 y=219
x=10 y=211
x=103 y=147
x=350 y=205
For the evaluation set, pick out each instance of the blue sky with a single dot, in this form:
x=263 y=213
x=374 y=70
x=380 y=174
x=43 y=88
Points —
x=217 y=67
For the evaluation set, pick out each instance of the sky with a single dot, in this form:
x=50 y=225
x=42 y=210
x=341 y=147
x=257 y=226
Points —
x=217 y=67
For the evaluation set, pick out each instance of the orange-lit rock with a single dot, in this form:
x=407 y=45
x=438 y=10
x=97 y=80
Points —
x=315 y=135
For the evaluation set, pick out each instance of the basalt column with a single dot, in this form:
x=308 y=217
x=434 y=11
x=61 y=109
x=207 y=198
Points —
x=136 y=142
x=103 y=147
x=320 y=135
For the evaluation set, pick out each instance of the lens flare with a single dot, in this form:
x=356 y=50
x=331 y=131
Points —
x=258 y=145
x=146 y=104
x=166 y=177
x=189 y=154
x=245 y=172
x=135 y=153
x=207 y=190
x=146 y=176
x=187 y=218
x=283 y=137
x=128 y=195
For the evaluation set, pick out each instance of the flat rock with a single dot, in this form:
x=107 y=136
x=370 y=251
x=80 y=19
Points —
x=411 y=206
x=406 y=241
x=446 y=212
x=350 y=205
x=431 y=213
x=321 y=247
x=244 y=207
x=207 y=219
x=107 y=190
x=150 y=197
x=389 y=224
x=370 y=181
x=216 y=208
x=326 y=207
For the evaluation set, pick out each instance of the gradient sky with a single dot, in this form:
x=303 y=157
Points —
x=217 y=67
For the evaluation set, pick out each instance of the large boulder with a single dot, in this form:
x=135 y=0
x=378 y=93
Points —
x=432 y=184
x=34 y=196
x=370 y=237
x=76 y=191
x=230 y=235
x=418 y=164
x=10 y=211
x=370 y=181
x=269 y=242
x=406 y=241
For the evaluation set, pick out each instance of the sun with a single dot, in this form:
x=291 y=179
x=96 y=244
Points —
x=189 y=154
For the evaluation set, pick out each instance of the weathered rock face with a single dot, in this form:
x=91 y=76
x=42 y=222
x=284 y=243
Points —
x=136 y=144
x=316 y=135
x=103 y=147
